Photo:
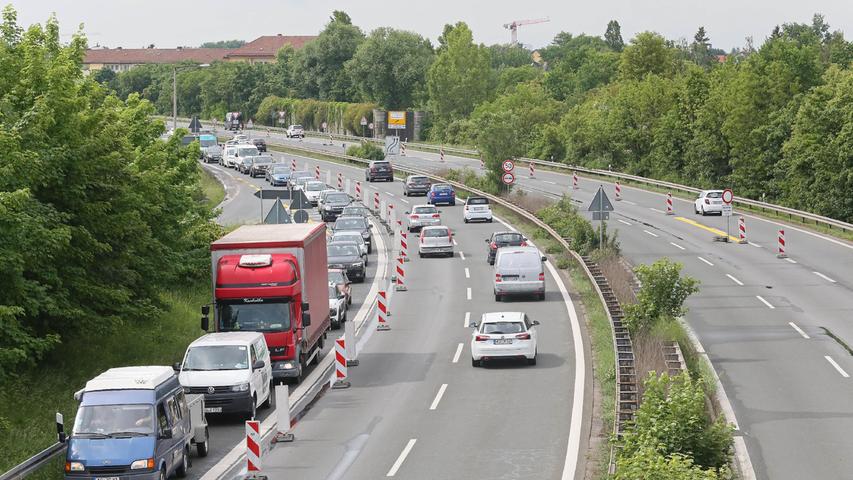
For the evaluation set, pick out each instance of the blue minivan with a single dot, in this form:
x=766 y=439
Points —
x=133 y=423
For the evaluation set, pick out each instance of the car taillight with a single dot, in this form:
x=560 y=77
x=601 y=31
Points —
x=523 y=244
x=414 y=217
x=482 y=338
x=373 y=169
x=497 y=277
x=432 y=194
x=542 y=277
x=493 y=246
x=707 y=202
x=435 y=215
x=523 y=336
x=452 y=194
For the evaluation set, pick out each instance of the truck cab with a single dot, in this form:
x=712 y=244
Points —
x=133 y=422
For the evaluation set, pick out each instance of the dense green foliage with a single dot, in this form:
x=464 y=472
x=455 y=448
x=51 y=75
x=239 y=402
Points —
x=367 y=150
x=564 y=217
x=662 y=294
x=671 y=422
x=223 y=44
x=97 y=214
x=649 y=464
x=339 y=116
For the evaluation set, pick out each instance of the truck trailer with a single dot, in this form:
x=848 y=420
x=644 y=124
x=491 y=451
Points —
x=273 y=279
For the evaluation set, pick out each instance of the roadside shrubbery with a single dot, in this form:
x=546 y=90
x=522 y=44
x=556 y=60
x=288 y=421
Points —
x=564 y=217
x=366 y=150
x=661 y=296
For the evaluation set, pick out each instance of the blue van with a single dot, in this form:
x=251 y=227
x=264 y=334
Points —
x=133 y=423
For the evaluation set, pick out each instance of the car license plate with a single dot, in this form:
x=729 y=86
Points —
x=106 y=478
x=212 y=409
x=503 y=341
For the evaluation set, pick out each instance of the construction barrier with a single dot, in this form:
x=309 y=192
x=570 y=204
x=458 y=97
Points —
x=618 y=192
x=574 y=180
x=340 y=181
x=532 y=171
x=292 y=164
x=376 y=201
x=358 y=190
x=282 y=413
x=441 y=154
x=782 y=253
x=317 y=172
x=401 y=276
x=350 y=343
x=382 y=312
x=482 y=163
x=403 y=149
x=741 y=226
x=340 y=364
x=669 y=210
x=253 y=448
x=404 y=244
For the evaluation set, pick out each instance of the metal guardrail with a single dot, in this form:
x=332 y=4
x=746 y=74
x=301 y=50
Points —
x=35 y=462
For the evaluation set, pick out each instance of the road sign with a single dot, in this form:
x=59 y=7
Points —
x=301 y=216
x=508 y=166
x=396 y=120
x=600 y=203
x=392 y=145
x=727 y=209
x=269 y=194
x=278 y=214
x=250 y=124
x=508 y=178
x=601 y=215
x=370 y=125
x=728 y=196
x=324 y=125
x=300 y=201
x=363 y=121
x=195 y=125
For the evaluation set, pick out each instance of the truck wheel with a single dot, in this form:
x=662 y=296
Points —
x=203 y=447
x=181 y=471
x=163 y=473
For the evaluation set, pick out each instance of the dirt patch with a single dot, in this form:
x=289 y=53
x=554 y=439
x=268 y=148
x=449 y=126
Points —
x=620 y=278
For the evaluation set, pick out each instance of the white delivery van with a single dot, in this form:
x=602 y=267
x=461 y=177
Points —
x=231 y=369
x=519 y=271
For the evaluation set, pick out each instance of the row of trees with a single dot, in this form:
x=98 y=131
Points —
x=97 y=215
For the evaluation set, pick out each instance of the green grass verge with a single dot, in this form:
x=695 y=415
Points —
x=213 y=190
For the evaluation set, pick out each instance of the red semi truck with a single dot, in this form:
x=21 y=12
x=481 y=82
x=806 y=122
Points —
x=273 y=279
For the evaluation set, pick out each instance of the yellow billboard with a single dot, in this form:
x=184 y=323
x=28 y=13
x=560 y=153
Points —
x=396 y=120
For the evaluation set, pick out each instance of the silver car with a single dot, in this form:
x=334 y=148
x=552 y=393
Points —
x=423 y=216
x=519 y=271
x=435 y=241
x=349 y=236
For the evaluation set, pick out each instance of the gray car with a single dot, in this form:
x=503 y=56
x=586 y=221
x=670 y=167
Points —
x=422 y=216
x=346 y=256
x=260 y=165
x=353 y=210
x=355 y=224
x=333 y=205
x=416 y=185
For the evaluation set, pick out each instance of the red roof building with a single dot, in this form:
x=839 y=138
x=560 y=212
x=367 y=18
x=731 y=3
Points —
x=263 y=49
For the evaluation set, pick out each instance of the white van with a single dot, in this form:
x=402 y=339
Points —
x=519 y=271
x=232 y=370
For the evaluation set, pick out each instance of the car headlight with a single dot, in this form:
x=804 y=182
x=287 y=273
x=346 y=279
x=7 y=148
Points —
x=357 y=264
x=327 y=207
x=74 y=467
x=365 y=234
x=142 y=464
x=243 y=387
x=287 y=365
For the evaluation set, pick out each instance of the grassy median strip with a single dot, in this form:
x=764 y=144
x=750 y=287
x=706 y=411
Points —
x=212 y=188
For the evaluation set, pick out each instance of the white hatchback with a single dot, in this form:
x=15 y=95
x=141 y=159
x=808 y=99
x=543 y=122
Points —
x=709 y=201
x=435 y=241
x=503 y=335
x=477 y=208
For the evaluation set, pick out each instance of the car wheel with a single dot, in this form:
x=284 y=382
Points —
x=476 y=363
x=453 y=204
x=349 y=300
x=336 y=325
x=532 y=361
x=703 y=211
x=465 y=220
x=497 y=297
x=202 y=448
x=541 y=296
x=163 y=473
x=489 y=220
x=420 y=254
x=182 y=470
x=253 y=413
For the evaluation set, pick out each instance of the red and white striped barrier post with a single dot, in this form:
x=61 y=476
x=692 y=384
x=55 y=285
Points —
x=441 y=154
x=340 y=181
x=340 y=364
x=292 y=164
x=331 y=142
x=282 y=413
x=401 y=276
x=404 y=244
x=669 y=210
x=358 y=190
x=781 y=253
x=317 y=172
x=382 y=312
x=403 y=149
x=253 y=449
x=618 y=192
x=741 y=226
x=574 y=180
x=532 y=171
x=376 y=201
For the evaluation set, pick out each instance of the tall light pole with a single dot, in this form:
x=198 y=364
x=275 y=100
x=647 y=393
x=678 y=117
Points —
x=175 y=69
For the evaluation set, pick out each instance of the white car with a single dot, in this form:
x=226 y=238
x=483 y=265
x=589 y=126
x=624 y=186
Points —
x=241 y=138
x=295 y=131
x=423 y=216
x=477 y=209
x=435 y=241
x=232 y=369
x=503 y=335
x=337 y=306
x=709 y=201
x=350 y=236
x=312 y=190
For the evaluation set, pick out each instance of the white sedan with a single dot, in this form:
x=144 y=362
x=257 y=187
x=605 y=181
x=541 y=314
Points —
x=503 y=335
x=709 y=201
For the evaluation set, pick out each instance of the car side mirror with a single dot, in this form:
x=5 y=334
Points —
x=165 y=433
x=306 y=319
x=535 y=322
x=486 y=240
x=205 y=310
x=439 y=211
x=259 y=364
x=473 y=324
x=544 y=258
x=205 y=323
x=408 y=213
x=176 y=366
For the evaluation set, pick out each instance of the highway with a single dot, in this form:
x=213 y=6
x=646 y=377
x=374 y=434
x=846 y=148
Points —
x=415 y=390
x=763 y=321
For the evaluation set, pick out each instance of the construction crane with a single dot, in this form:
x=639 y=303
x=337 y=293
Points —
x=513 y=27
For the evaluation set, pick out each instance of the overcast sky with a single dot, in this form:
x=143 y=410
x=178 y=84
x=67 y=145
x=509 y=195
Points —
x=137 y=23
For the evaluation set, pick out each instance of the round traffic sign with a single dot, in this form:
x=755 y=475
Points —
x=728 y=196
x=508 y=166
x=301 y=216
x=370 y=125
x=325 y=125
x=508 y=178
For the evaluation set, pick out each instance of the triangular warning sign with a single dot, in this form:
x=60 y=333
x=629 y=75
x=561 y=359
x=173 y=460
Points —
x=300 y=201
x=195 y=125
x=600 y=203
x=278 y=214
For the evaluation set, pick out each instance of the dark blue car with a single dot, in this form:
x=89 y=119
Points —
x=278 y=175
x=441 y=193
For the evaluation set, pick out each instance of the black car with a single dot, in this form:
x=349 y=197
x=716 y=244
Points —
x=379 y=170
x=503 y=239
x=260 y=165
x=346 y=256
x=260 y=144
x=355 y=224
x=333 y=205
x=245 y=165
x=416 y=185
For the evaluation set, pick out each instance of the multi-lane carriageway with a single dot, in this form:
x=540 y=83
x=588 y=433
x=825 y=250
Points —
x=763 y=321
x=417 y=408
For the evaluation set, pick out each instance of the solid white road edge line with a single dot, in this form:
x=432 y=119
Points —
x=791 y=260
x=623 y=221
x=799 y=330
x=458 y=352
x=467 y=273
x=765 y=302
x=469 y=293
x=677 y=246
x=650 y=233
x=706 y=261
x=467 y=319
x=735 y=280
x=438 y=395
x=824 y=277
x=837 y=366
x=401 y=458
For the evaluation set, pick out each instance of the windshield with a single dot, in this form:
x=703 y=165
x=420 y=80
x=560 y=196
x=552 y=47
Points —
x=419 y=180
x=314 y=187
x=207 y=141
x=425 y=210
x=296 y=126
x=353 y=211
x=333 y=292
x=337 y=198
x=508 y=238
x=265 y=160
x=442 y=188
x=217 y=357
x=435 y=232
x=347 y=237
x=337 y=250
x=115 y=419
x=714 y=195
x=478 y=201
x=280 y=170
x=350 y=224
x=336 y=276
x=503 y=327
x=247 y=151
x=521 y=260
x=254 y=315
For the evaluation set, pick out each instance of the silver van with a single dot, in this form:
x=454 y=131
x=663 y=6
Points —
x=519 y=271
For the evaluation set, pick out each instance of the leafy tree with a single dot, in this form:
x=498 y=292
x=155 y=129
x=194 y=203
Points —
x=390 y=67
x=366 y=150
x=672 y=420
x=662 y=294
x=613 y=36
x=509 y=56
x=458 y=80
x=648 y=464
x=648 y=53
x=223 y=44
x=700 y=49
x=104 y=76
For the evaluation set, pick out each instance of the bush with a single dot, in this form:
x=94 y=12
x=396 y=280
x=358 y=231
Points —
x=672 y=420
x=662 y=294
x=648 y=464
x=366 y=150
x=563 y=217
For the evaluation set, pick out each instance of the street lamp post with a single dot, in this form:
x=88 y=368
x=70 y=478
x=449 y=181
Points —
x=175 y=91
